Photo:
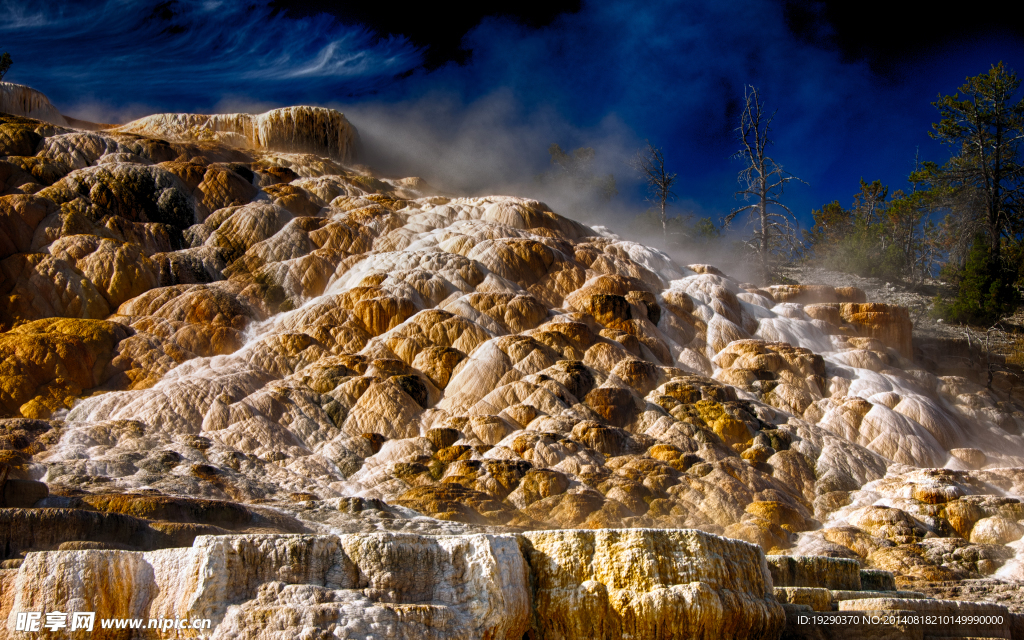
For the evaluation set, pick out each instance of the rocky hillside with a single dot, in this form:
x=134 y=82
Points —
x=219 y=324
x=25 y=101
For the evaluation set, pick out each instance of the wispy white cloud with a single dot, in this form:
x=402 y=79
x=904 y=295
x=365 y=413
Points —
x=187 y=55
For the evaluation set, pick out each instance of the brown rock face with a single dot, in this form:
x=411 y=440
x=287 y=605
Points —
x=815 y=294
x=972 y=458
x=452 y=501
x=38 y=529
x=22 y=494
x=133 y=522
x=614 y=405
x=20 y=100
x=583 y=592
x=19 y=217
x=889 y=324
x=814 y=571
x=47 y=363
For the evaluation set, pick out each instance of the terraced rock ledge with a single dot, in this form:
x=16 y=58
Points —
x=220 y=338
x=538 y=584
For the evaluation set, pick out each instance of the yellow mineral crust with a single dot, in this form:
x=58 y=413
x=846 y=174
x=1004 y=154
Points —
x=677 y=584
x=47 y=363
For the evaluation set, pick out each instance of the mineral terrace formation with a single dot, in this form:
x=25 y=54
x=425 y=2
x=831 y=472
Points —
x=245 y=379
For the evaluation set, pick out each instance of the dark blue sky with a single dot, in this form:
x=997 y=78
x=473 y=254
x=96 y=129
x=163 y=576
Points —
x=472 y=101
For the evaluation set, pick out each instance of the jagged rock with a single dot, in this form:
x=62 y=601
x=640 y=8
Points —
x=22 y=494
x=877 y=580
x=1003 y=592
x=972 y=458
x=136 y=193
x=818 y=599
x=138 y=522
x=19 y=217
x=996 y=530
x=889 y=324
x=26 y=530
x=840 y=595
x=814 y=294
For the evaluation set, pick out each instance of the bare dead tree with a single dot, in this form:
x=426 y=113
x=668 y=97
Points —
x=650 y=164
x=763 y=180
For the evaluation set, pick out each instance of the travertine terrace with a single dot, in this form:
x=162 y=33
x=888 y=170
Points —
x=221 y=339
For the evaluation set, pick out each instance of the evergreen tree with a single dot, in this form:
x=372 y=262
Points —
x=853 y=240
x=985 y=290
x=705 y=230
x=5 y=64
x=879 y=236
x=832 y=224
x=984 y=125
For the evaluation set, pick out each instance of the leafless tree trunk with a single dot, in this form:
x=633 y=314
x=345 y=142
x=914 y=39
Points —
x=650 y=164
x=763 y=180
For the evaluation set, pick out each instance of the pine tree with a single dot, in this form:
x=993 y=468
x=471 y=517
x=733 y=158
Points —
x=985 y=289
x=984 y=125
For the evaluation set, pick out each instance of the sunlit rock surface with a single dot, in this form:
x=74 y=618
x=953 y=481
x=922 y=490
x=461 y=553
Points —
x=296 y=129
x=19 y=100
x=560 y=584
x=218 y=310
x=678 y=584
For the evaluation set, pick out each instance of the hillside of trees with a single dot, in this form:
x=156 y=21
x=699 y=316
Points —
x=959 y=223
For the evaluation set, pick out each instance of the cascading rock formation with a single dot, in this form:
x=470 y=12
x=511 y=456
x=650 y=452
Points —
x=253 y=382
